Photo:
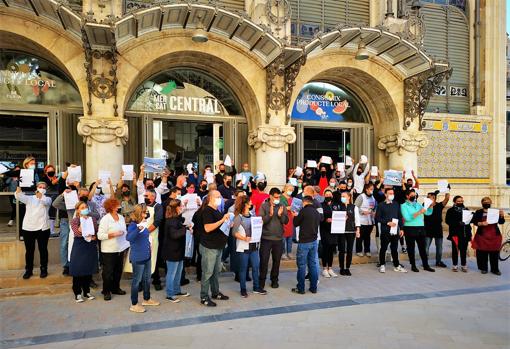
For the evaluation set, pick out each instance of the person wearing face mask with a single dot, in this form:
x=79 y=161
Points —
x=414 y=229
x=459 y=233
x=211 y=247
x=35 y=227
x=328 y=241
x=434 y=226
x=350 y=185
x=311 y=177
x=410 y=183
x=274 y=217
x=173 y=250
x=288 y=229
x=358 y=176
x=487 y=241
x=323 y=178
x=97 y=196
x=127 y=201
x=367 y=206
x=51 y=179
x=332 y=185
x=227 y=191
x=387 y=211
x=112 y=234
x=143 y=184
x=188 y=208
x=258 y=196
x=202 y=189
x=182 y=181
x=352 y=231
x=247 y=175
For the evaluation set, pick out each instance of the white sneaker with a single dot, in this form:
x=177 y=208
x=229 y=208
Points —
x=285 y=257
x=360 y=254
x=400 y=269
x=291 y=256
x=325 y=274
x=332 y=273
x=79 y=299
x=90 y=297
x=11 y=223
x=382 y=269
x=368 y=254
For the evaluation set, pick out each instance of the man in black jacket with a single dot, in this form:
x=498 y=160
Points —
x=307 y=221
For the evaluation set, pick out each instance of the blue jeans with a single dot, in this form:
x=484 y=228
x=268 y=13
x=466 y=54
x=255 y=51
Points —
x=141 y=273
x=173 y=277
x=211 y=268
x=64 y=241
x=245 y=258
x=439 y=247
x=307 y=256
x=287 y=245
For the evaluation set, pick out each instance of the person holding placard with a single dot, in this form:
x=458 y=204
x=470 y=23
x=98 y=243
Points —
x=144 y=184
x=127 y=200
x=83 y=261
x=35 y=227
x=410 y=183
x=51 y=179
x=358 y=176
x=487 y=241
x=414 y=229
x=247 y=250
x=351 y=231
x=288 y=229
x=434 y=226
x=328 y=241
x=112 y=234
x=389 y=217
x=459 y=232
x=367 y=206
x=97 y=196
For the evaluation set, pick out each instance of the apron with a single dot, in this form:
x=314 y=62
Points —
x=154 y=241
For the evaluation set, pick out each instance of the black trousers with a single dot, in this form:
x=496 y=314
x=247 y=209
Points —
x=461 y=249
x=345 y=246
x=492 y=256
x=275 y=249
x=113 y=263
x=363 y=242
x=392 y=240
x=327 y=254
x=13 y=207
x=81 y=284
x=29 y=238
x=416 y=235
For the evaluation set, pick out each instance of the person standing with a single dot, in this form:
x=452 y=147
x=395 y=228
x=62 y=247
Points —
x=112 y=234
x=434 y=226
x=308 y=221
x=288 y=229
x=155 y=220
x=487 y=241
x=173 y=250
x=367 y=206
x=212 y=243
x=459 y=233
x=352 y=230
x=35 y=227
x=83 y=261
x=274 y=217
x=358 y=177
x=388 y=211
x=414 y=229
x=143 y=184
x=140 y=258
x=51 y=179
x=328 y=240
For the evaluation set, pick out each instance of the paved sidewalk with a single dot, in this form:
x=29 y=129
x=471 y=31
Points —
x=57 y=318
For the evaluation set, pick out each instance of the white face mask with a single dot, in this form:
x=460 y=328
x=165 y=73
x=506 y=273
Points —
x=98 y=191
x=184 y=184
x=218 y=202
x=391 y=197
x=41 y=190
x=276 y=202
x=332 y=184
x=289 y=193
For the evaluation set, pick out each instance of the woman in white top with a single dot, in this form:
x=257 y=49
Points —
x=36 y=226
x=112 y=233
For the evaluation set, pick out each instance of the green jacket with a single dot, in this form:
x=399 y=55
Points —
x=409 y=209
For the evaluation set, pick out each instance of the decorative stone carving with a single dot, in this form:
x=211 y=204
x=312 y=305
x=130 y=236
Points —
x=403 y=141
x=272 y=136
x=105 y=130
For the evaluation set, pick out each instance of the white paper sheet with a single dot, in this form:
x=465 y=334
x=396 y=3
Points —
x=104 y=176
x=467 y=216
x=225 y=227
x=260 y=176
x=348 y=161
x=492 y=216
x=74 y=174
x=192 y=201
x=340 y=166
x=297 y=234
x=242 y=245
x=188 y=251
x=426 y=203
x=87 y=228
x=394 y=230
x=299 y=171
x=338 y=220
x=374 y=171
x=311 y=164
x=71 y=199
x=363 y=159
x=409 y=171
x=228 y=161
x=3 y=169
x=128 y=172
x=326 y=160
x=293 y=181
x=27 y=178
x=256 y=229
x=442 y=186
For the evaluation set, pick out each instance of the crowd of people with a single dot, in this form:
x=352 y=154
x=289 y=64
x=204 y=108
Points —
x=174 y=220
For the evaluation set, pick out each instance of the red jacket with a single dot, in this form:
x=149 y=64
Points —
x=257 y=198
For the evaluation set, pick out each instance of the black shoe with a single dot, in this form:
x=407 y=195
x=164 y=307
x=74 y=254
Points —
x=404 y=250
x=248 y=279
x=342 y=272
x=427 y=268
x=260 y=291
x=441 y=265
x=27 y=275
x=93 y=284
x=220 y=296
x=65 y=271
x=348 y=272
x=307 y=277
x=312 y=291
x=498 y=273
x=378 y=265
x=296 y=290
x=140 y=287
x=413 y=268
x=119 y=292
x=107 y=296
x=244 y=294
x=158 y=287
x=274 y=284
x=184 y=282
x=236 y=278
x=484 y=271
x=207 y=302
x=44 y=273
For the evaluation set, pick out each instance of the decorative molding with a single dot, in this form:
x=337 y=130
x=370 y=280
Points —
x=403 y=141
x=417 y=92
x=282 y=15
x=291 y=72
x=276 y=137
x=275 y=92
x=103 y=130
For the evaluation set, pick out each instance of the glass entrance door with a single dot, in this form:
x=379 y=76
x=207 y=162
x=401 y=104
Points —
x=332 y=142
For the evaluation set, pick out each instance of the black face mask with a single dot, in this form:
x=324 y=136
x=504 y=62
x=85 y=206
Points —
x=412 y=198
x=359 y=173
x=72 y=187
x=328 y=200
x=486 y=206
x=51 y=174
x=84 y=198
x=126 y=193
x=150 y=187
x=222 y=171
x=147 y=201
x=229 y=183
x=119 y=210
x=251 y=207
x=203 y=187
x=147 y=215
x=459 y=205
x=369 y=194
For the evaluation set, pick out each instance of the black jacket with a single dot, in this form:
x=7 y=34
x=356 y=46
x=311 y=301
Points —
x=174 y=243
x=456 y=226
x=326 y=236
x=386 y=212
x=308 y=221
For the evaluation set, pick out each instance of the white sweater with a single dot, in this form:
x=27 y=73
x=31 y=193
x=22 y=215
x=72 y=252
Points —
x=36 y=215
x=109 y=225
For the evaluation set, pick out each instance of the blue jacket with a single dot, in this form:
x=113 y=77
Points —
x=139 y=241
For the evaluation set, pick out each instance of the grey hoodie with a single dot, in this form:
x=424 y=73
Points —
x=273 y=225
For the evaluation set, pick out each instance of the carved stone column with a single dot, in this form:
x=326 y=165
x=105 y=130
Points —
x=271 y=145
x=402 y=149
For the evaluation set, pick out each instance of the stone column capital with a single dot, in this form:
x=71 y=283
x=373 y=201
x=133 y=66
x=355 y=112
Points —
x=403 y=141
x=272 y=136
x=103 y=130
